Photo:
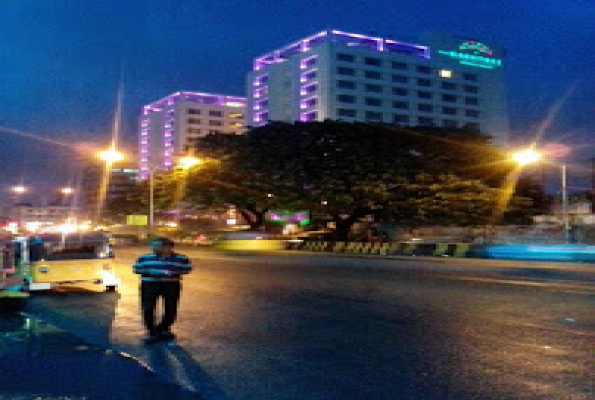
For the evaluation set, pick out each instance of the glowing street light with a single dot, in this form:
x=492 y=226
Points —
x=189 y=162
x=111 y=155
x=525 y=157
x=67 y=190
x=530 y=156
x=19 y=189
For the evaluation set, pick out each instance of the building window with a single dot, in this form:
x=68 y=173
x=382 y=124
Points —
x=308 y=89
x=424 y=95
x=373 y=88
x=400 y=91
x=373 y=116
x=309 y=102
x=449 y=123
x=449 y=98
x=346 y=112
x=308 y=62
x=236 y=125
x=261 y=104
x=345 y=98
x=399 y=79
x=472 y=125
x=346 y=85
x=213 y=113
x=422 y=69
x=310 y=116
x=193 y=111
x=214 y=132
x=400 y=119
x=473 y=101
x=445 y=73
x=306 y=76
x=236 y=115
x=370 y=101
x=373 y=75
x=194 y=121
x=449 y=110
x=345 y=71
x=193 y=131
x=425 y=121
x=472 y=113
x=399 y=65
x=401 y=104
x=448 y=85
x=261 y=80
x=470 y=89
x=470 y=77
x=215 y=123
x=424 y=82
x=425 y=107
x=345 y=57
x=373 y=61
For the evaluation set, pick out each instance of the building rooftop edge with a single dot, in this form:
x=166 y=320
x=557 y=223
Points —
x=223 y=98
x=304 y=45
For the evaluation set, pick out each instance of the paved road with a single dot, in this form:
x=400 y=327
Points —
x=316 y=327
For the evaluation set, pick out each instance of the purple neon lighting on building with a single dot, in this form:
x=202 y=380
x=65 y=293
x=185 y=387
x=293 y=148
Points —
x=278 y=56
x=308 y=102
x=306 y=76
x=308 y=116
x=194 y=97
x=309 y=88
x=308 y=62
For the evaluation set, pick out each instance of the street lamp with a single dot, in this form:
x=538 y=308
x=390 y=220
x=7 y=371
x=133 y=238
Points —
x=111 y=156
x=526 y=157
x=530 y=156
x=189 y=162
x=67 y=191
x=19 y=189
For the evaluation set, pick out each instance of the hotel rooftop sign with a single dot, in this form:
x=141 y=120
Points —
x=475 y=54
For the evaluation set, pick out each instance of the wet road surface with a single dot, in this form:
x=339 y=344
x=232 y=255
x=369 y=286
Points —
x=315 y=327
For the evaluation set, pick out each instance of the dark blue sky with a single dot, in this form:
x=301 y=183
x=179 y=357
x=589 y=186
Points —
x=60 y=60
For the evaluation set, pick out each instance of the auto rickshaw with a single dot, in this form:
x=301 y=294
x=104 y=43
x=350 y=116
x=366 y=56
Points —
x=11 y=295
x=45 y=261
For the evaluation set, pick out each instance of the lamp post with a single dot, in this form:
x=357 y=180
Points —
x=530 y=156
x=109 y=156
x=185 y=163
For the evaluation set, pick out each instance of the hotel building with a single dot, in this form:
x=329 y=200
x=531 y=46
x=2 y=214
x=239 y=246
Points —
x=444 y=81
x=169 y=127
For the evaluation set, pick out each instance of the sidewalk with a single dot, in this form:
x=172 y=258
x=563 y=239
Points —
x=39 y=361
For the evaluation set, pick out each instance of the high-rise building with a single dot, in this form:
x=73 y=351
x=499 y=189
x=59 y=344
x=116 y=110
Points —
x=446 y=81
x=169 y=127
x=122 y=179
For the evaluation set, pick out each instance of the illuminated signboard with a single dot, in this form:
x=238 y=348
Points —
x=475 y=54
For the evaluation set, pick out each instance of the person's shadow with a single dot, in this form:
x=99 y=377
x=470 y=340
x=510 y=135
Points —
x=175 y=363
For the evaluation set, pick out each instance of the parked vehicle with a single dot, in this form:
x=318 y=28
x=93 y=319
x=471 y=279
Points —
x=11 y=294
x=49 y=260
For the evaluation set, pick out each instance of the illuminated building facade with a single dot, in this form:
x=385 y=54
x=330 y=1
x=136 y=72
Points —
x=446 y=81
x=169 y=127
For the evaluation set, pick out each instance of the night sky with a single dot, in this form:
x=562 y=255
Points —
x=60 y=62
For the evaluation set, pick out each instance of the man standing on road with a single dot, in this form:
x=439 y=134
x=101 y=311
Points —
x=161 y=275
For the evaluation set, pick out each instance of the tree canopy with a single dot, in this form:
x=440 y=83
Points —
x=343 y=171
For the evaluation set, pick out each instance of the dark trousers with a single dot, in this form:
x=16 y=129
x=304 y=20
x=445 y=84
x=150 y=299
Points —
x=149 y=294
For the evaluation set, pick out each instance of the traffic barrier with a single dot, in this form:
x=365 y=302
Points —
x=461 y=250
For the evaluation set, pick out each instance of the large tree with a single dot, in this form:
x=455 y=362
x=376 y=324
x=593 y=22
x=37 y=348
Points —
x=342 y=172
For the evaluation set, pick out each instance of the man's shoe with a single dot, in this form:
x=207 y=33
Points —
x=167 y=336
x=151 y=339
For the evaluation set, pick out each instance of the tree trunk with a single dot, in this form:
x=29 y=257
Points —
x=254 y=218
x=344 y=227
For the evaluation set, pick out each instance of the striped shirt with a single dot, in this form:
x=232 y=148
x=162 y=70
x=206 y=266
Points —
x=152 y=267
